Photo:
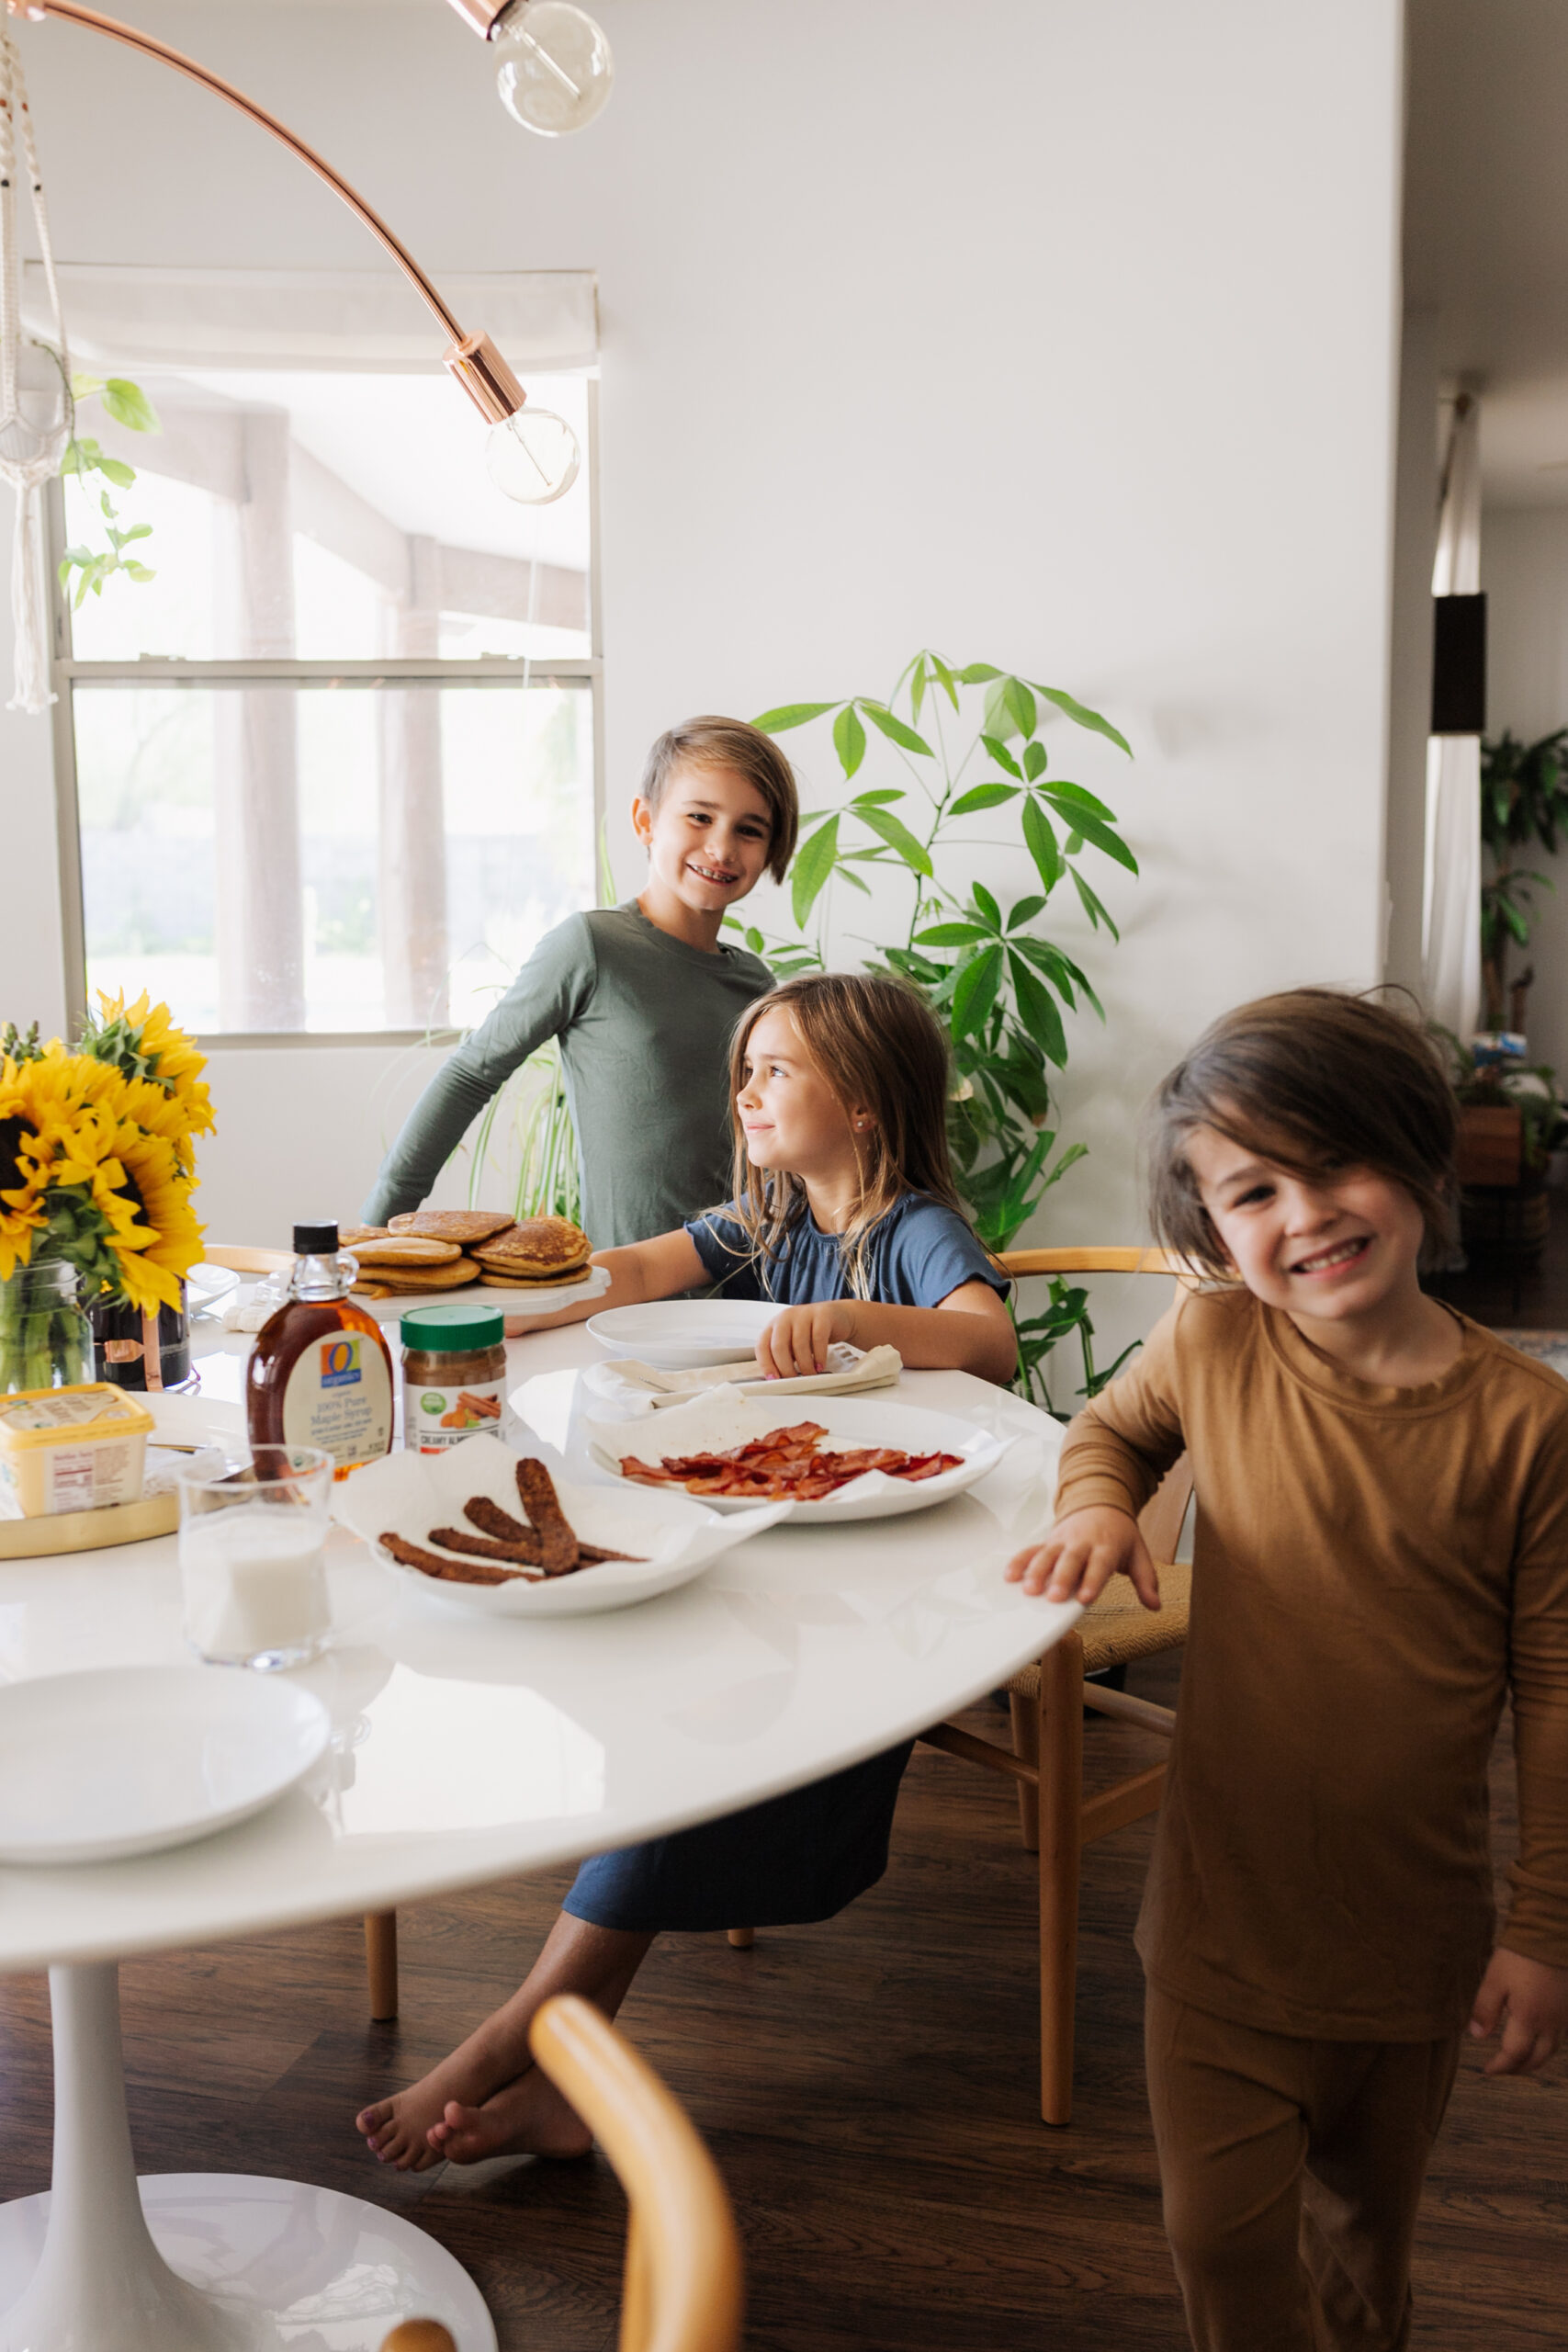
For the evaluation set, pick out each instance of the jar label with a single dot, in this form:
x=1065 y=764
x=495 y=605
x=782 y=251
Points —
x=339 y=1396
x=434 y=1419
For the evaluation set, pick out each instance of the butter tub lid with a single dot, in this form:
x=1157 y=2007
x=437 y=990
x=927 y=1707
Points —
x=32 y=1417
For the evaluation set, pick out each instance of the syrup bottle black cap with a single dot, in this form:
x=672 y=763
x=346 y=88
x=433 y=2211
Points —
x=315 y=1241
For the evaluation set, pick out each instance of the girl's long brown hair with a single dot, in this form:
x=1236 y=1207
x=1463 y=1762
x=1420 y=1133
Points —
x=882 y=1051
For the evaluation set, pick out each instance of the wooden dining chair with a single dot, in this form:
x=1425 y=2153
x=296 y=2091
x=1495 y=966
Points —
x=380 y=1927
x=1047 y=1702
x=683 y=2288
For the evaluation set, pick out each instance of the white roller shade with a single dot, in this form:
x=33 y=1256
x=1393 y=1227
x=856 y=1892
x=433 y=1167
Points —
x=129 y=318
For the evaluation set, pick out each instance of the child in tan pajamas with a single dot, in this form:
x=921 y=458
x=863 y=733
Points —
x=1382 y=1554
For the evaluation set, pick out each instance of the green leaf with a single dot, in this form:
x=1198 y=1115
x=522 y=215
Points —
x=895 y=730
x=129 y=405
x=976 y=991
x=791 y=714
x=141 y=531
x=139 y=571
x=1033 y=760
x=946 y=679
x=754 y=939
x=977 y=673
x=1070 y=797
x=1081 y=715
x=880 y=799
x=83 y=387
x=988 y=908
x=847 y=874
x=983 y=796
x=1039 y=838
x=917 y=689
x=1002 y=756
x=1025 y=911
x=916 y=968
x=1102 y=838
x=814 y=863
x=952 y=934
x=1020 y=705
x=121 y=474
x=1093 y=906
x=999 y=720
x=849 y=739
x=897 y=834
x=1037 y=1010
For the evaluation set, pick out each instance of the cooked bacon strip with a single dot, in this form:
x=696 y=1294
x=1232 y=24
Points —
x=785 y=1464
x=499 y=1525
x=483 y=1547
x=558 y=1544
x=431 y=1563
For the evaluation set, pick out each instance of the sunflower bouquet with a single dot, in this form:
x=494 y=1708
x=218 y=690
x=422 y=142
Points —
x=97 y=1166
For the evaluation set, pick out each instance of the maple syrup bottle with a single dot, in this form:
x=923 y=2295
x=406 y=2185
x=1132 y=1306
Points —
x=321 y=1373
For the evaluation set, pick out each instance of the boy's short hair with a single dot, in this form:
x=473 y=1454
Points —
x=713 y=742
x=1320 y=1082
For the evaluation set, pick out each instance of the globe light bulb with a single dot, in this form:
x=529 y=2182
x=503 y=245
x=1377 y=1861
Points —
x=554 y=66
x=533 y=457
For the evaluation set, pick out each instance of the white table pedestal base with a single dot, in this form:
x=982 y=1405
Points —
x=197 y=2262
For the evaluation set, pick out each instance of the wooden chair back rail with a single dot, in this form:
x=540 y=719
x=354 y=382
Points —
x=242 y=1260
x=1119 y=1260
x=683 y=2286
x=684 y=2282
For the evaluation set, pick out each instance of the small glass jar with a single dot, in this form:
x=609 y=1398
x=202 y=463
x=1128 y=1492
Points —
x=453 y=1374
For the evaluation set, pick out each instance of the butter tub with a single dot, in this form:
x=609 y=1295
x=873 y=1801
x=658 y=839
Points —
x=70 y=1449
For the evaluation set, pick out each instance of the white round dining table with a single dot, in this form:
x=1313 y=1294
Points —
x=465 y=1749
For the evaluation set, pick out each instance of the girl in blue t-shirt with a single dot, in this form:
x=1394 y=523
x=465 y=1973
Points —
x=845 y=1212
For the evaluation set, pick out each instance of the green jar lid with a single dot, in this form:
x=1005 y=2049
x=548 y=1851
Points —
x=453 y=1331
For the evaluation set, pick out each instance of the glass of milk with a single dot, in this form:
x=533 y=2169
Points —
x=251 y=1558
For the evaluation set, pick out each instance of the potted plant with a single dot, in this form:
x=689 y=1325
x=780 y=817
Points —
x=1510 y=1118
x=1524 y=803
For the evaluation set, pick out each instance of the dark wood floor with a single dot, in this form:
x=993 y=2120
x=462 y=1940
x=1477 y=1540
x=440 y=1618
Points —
x=867 y=2087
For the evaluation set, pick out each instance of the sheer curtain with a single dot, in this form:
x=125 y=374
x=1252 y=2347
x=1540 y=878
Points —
x=1451 y=915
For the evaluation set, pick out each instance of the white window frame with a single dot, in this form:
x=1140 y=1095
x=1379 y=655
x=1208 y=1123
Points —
x=506 y=673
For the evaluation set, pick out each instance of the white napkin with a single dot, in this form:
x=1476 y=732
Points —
x=641 y=1389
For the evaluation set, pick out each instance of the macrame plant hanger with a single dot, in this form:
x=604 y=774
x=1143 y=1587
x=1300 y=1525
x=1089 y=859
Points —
x=36 y=417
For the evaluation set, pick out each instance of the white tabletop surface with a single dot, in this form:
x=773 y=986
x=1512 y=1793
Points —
x=467 y=1749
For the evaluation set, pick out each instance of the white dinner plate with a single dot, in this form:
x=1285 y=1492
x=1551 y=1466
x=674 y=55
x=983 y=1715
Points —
x=674 y=1537
x=542 y=1298
x=679 y=1334
x=724 y=1417
x=128 y=1760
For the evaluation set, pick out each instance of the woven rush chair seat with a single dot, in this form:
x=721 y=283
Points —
x=1117 y=1628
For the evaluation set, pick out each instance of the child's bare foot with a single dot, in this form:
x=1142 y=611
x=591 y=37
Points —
x=398 y=2128
x=527 y=2117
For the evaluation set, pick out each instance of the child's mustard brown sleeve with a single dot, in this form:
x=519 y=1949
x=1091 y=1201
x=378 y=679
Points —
x=1537 y=1668
x=1122 y=1444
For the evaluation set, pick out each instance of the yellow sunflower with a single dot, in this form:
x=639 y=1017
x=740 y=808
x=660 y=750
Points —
x=134 y=1183
x=171 y=1061
x=24 y=1177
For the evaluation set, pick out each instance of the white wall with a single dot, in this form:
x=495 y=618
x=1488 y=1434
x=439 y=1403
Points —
x=1524 y=570
x=1057 y=333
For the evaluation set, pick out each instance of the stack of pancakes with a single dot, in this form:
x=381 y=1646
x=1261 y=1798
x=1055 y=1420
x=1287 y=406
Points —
x=541 y=1252
x=442 y=1249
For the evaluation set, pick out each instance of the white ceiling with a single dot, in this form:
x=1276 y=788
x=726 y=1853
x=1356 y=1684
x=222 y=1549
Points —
x=1486 y=224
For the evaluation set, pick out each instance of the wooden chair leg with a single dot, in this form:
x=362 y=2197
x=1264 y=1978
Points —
x=742 y=1938
x=1025 y=1715
x=1060 y=1736
x=382 y=1963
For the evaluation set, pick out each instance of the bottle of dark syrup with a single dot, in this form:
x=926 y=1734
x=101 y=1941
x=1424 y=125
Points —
x=321 y=1373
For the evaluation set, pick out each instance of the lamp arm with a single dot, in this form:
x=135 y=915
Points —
x=473 y=358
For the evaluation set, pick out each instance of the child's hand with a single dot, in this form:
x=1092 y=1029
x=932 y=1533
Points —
x=1081 y=1554
x=1529 y=2002
x=795 y=1344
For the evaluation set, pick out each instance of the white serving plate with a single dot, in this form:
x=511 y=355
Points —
x=544 y=1300
x=679 y=1334
x=724 y=1417
x=408 y=1494
x=210 y=1288
x=128 y=1760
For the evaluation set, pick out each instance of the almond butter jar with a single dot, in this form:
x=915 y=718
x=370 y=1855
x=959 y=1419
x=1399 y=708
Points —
x=454 y=1375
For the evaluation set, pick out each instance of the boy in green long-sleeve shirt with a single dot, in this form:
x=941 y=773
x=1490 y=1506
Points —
x=642 y=997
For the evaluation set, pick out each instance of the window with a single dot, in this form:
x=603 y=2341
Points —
x=334 y=769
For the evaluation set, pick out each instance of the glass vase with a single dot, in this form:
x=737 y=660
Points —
x=145 y=1351
x=46 y=1340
